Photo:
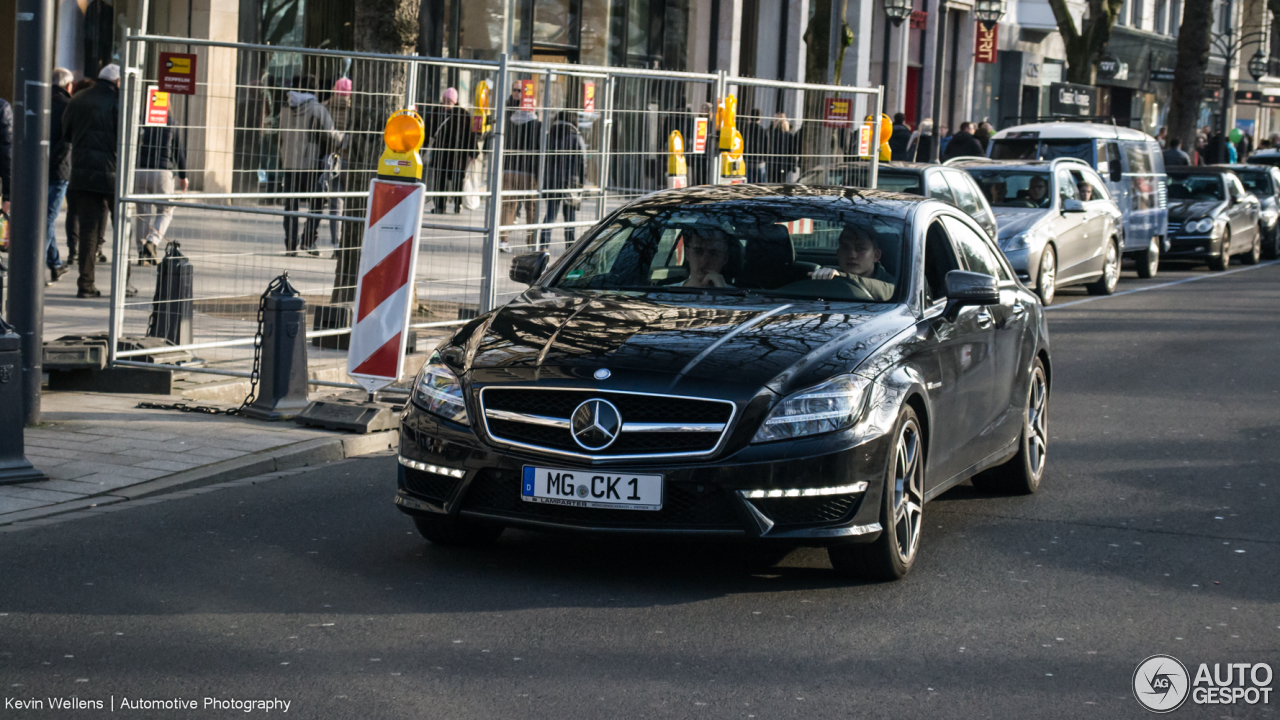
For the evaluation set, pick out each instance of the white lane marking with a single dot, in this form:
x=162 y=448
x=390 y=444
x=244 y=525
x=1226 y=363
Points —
x=1207 y=276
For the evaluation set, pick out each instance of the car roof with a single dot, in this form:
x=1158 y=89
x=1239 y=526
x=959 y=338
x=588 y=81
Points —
x=1201 y=170
x=1074 y=130
x=819 y=196
x=1011 y=164
x=1244 y=166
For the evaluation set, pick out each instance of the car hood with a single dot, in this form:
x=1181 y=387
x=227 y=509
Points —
x=1015 y=221
x=1192 y=209
x=751 y=341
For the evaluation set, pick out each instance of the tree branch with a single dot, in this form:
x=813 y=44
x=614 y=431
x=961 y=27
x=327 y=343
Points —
x=1067 y=24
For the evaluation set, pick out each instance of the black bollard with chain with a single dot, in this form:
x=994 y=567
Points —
x=280 y=368
x=14 y=466
x=172 y=306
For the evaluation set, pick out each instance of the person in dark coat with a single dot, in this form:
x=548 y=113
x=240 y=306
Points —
x=963 y=144
x=565 y=171
x=755 y=144
x=89 y=123
x=162 y=169
x=59 y=168
x=1215 y=151
x=453 y=146
x=783 y=150
x=6 y=152
x=923 y=146
x=72 y=220
x=521 y=146
x=1174 y=156
x=900 y=138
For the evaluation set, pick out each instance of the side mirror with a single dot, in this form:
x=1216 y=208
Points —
x=1116 y=175
x=526 y=269
x=1072 y=206
x=969 y=288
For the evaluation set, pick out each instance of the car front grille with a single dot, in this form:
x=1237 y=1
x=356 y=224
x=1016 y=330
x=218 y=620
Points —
x=653 y=425
x=685 y=507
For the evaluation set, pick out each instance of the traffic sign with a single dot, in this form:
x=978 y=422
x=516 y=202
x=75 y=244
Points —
x=177 y=73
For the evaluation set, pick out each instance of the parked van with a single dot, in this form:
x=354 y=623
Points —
x=1130 y=162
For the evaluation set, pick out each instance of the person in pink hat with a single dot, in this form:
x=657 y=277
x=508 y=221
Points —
x=453 y=145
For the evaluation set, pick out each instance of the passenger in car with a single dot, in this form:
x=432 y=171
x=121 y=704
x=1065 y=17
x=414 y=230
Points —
x=1085 y=191
x=859 y=257
x=708 y=255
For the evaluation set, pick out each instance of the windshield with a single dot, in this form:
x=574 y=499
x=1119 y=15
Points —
x=893 y=182
x=1196 y=187
x=1013 y=188
x=1256 y=182
x=856 y=176
x=1022 y=149
x=1040 y=149
x=778 y=248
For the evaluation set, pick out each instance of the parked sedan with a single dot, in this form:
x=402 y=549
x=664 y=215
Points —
x=1058 y=223
x=927 y=179
x=1263 y=182
x=1212 y=217
x=793 y=365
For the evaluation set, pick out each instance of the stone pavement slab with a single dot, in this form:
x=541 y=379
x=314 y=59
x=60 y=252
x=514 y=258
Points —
x=102 y=448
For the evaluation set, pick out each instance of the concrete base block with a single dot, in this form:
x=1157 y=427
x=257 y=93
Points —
x=114 y=380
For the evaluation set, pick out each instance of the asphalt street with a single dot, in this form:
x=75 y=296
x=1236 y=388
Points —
x=1155 y=531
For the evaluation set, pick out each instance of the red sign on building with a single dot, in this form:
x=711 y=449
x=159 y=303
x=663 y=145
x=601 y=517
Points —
x=178 y=73
x=919 y=20
x=984 y=43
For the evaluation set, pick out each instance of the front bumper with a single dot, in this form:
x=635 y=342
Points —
x=1193 y=247
x=1026 y=264
x=706 y=498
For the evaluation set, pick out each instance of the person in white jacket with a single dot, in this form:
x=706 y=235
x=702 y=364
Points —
x=307 y=137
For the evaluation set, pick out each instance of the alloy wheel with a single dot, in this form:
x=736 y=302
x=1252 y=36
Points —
x=1037 y=433
x=1112 y=268
x=1048 y=275
x=908 y=492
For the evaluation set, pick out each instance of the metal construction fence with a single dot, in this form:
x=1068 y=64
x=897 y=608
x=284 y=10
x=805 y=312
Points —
x=276 y=148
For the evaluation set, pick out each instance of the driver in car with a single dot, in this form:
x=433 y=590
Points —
x=1039 y=188
x=708 y=253
x=859 y=258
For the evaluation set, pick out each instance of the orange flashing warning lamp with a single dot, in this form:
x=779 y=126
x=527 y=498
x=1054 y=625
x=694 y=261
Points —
x=480 y=110
x=403 y=135
x=677 y=167
x=727 y=119
x=886 y=130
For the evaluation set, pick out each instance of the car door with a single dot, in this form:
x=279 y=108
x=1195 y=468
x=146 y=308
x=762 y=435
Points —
x=1071 y=233
x=969 y=199
x=960 y=397
x=1008 y=330
x=1245 y=221
x=1096 y=218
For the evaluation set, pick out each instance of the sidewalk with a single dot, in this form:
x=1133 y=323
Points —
x=99 y=449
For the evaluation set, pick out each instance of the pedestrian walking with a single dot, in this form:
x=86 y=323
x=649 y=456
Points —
x=983 y=133
x=783 y=152
x=452 y=147
x=89 y=123
x=1215 y=150
x=339 y=107
x=72 y=220
x=565 y=169
x=59 y=169
x=922 y=143
x=307 y=137
x=963 y=144
x=1174 y=156
x=901 y=137
x=755 y=144
x=162 y=169
x=521 y=145
x=1162 y=137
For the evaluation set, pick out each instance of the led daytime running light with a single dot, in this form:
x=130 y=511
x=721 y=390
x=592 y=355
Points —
x=806 y=492
x=437 y=469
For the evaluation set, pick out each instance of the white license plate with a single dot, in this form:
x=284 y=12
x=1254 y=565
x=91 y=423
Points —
x=592 y=489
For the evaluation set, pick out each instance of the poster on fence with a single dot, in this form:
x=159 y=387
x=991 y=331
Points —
x=588 y=97
x=700 y=135
x=157 y=107
x=528 y=95
x=177 y=73
x=839 y=113
x=384 y=286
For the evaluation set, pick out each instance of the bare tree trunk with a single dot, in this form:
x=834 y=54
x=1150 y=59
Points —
x=1085 y=46
x=378 y=88
x=1188 y=74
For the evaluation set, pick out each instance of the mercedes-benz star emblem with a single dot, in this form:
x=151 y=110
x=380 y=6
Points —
x=603 y=374
x=595 y=424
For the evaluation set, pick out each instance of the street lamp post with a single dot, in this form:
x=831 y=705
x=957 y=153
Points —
x=1229 y=46
x=989 y=13
x=895 y=11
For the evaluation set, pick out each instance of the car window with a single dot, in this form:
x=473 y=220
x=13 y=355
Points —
x=962 y=189
x=736 y=245
x=1108 y=156
x=978 y=254
x=899 y=182
x=1066 y=184
x=1015 y=149
x=1080 y=149
x=1256 y=181
x=1013 y=188
x=1139 y=157
x=1089 y=186
x=1196 y=187
x=938 y=187
x=939 y=259
x=1237 y=190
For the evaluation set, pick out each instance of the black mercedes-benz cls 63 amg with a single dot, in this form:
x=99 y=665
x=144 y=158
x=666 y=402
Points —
x=789 y=364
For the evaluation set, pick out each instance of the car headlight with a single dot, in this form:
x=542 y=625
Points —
x=1017 y=242
x=833 y=405
x=439 y=391
x=1269 y=217
x=1203 y=225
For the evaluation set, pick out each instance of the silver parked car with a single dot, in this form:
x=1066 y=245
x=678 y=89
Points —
x=1058 y=222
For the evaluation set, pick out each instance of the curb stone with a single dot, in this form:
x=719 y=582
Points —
x=297 y=455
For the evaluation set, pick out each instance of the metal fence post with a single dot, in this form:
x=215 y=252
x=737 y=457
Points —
x=493 y=213
x=875 y=139
x=606 y=144
x=722 y=86
x=125 y=160
x=540 y=205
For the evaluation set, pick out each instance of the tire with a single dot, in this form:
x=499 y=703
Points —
x=1048 y=269
x=1021 y=475
x=891 y=555
x=1254 y=255
x=1271 y=250
x=457 y=532
x=1106 y=285
x=1222 y=260
x=1149 y=262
